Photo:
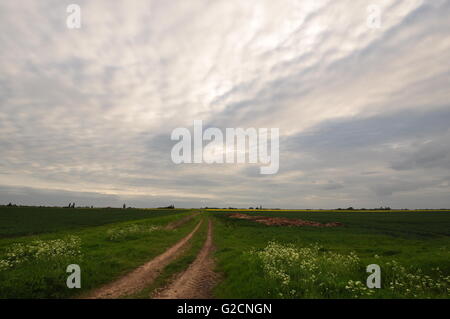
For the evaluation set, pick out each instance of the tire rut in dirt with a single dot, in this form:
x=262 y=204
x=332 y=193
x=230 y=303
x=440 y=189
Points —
x=180 y=222
x=144 y=275
x=198 y=280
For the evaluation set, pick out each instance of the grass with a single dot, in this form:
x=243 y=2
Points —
x=101 y=259
x=417 y=240
x=27 y=221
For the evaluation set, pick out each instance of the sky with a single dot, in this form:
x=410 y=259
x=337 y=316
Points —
x=86 y=114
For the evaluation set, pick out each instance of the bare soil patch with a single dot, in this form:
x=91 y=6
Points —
x=198 y=280
x=144 y=275
x=281 y=221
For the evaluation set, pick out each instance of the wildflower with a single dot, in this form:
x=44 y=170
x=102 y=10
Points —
x=19 y=253
x=119 y=233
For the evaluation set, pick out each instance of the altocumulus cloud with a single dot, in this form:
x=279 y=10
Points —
x=364 y=114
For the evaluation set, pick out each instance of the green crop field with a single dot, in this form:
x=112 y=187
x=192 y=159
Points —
x=21 y=221
x=35 y=266
x=412 y=249
x=252 y=259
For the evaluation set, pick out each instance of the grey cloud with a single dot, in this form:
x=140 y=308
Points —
x=87 y=114
x=431 y=154
x=332 y=186
x=366 y=132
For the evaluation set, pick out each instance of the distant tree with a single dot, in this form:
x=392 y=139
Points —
x=124 y=206
x=168 y=207
x=250 y=208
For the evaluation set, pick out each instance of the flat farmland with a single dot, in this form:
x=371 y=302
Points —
x=106 y=245
x=21 y=221
x=127 y=253
x=263 y=259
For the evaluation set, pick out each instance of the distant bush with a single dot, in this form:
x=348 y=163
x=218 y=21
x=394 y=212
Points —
x=168 y=207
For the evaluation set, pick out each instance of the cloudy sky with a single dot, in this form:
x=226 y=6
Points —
x=364 y=113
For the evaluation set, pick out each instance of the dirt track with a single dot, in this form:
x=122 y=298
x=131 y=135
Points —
x=144 y=275
x=180 y=222
x=197 y=281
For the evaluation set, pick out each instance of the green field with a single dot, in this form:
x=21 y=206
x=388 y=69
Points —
x=254 y=260
x=22 y=221
x=311 y=262
x=103 y=252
